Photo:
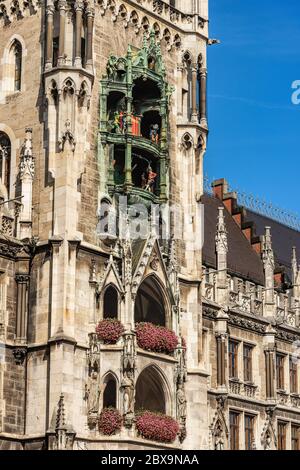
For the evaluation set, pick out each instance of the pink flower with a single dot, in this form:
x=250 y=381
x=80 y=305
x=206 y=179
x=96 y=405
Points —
x=156 y=338
x=110 y=331
x=110 y=421
x=157 y=427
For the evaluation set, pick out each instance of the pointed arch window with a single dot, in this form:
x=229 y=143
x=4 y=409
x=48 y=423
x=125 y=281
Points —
x=17 y=49
x=5 y=156
x=110 y=392
x=110 y=303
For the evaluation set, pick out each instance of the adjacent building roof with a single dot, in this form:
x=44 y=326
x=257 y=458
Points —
x=242 y=259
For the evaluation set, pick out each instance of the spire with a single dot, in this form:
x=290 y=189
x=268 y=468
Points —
x=60 y=417
x=221 y=235
x=269 y=265
x=221 y=250
x=294 y=266
x=267 y=252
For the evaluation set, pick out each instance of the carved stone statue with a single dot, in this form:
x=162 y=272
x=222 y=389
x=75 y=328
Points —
x=128 y=353
x=181 y=403
x=219 y=437
x=128 y=393
x=93 y=393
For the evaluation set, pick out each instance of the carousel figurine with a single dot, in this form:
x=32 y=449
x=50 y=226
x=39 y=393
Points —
x=151 y=180
x=154 y=133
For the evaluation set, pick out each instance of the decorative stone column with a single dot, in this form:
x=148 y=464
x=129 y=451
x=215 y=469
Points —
x=90 y=13
x=27 y=170
x=49 y=32
x=62 y=5
x=22 y=280
x=78 y=10
x=179 y=91
x=270 y=361
x=194 y=117
x=203 y=97
x=269 y=264
x=221 y=338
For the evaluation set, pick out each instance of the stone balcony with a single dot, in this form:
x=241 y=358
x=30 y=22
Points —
x=246 y=389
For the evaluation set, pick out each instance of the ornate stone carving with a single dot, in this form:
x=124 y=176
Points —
x=92 y=396
x=128 y=373
x=67 y=138
x=92 y=387
x=268 y=436
x=63 y=436
x=180 y=379
x=128 y=389
x=218 y=427
x=27 y=163
x=20 y=353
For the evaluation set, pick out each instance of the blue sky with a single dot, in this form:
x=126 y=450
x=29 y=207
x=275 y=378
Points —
x=254 y=127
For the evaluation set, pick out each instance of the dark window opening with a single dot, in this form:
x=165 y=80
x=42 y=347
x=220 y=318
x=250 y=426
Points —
x=110 y=394
x=83 y=52
x=295 y=437
x=234 y=424
x=149 y=304
x=293 y=376
x=151 y=126
x=249 y=432
x=149 y=392
x=281 y=436
x=5 y=156
x=233 y=359
x=247 y=357
x=55 y=51
x=280 y=371
x=110 y=307
x=145 y=171
x=18 y=66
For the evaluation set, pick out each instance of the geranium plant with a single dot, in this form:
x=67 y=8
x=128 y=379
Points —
x=156 y=338
x=110 y=330
x=157 y=427
x=110 y=421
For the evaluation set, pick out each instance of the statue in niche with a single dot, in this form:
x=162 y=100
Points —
x=219 y=437
x=181 y=403
x=154 y=133
x=93 y=393
x=128 y=353
x=92 y=396
x=151 y=63
x=128 y=393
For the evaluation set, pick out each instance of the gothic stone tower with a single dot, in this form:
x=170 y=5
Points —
x=101 y=102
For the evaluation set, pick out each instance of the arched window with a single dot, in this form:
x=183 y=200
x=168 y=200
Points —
x=17 y=49
x=150 y=304
x=5 y=155
x=110 y=303
x=150 y=393
x=110 y=392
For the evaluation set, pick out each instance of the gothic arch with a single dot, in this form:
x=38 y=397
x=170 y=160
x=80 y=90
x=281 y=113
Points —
x=13 y=158
x=187 y=58
x=157 y=30
x=151 y=303
x=111 y=302
x=153 y=391
x=110 y=390
x=9 y=65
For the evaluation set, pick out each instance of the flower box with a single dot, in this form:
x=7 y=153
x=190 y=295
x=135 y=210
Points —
x=156 y=338
x=110 y=331
x=157 y=427
x=110 y=421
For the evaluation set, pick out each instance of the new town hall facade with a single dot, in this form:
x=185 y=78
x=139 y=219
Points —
x=103 y=102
